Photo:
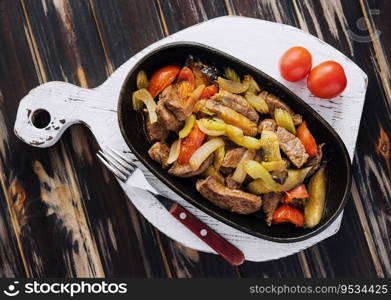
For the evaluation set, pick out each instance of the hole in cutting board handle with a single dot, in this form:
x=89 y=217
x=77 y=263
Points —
x=40 y=118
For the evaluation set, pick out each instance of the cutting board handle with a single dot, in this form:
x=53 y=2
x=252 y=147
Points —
x=65 y=103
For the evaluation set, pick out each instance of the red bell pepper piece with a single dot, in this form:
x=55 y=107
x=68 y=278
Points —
x=190 y=144
x=307 y=139
x=288 y=214
x=162 y=78
x=209 y=91
x=298 y=192
x=187 y=75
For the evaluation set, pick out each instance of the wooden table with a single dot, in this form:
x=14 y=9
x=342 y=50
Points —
x=62 y=214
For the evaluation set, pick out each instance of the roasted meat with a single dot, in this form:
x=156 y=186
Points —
x=233 y=200
x=232 y=157
x=292 y=147
x=315 y=161
x=274 y=102
x=270 y=204
x=159 y=152
x=167 y=118
x=155 y=131
x=171 y=100
x=237 y=103
x=232 y=184
x=267 y=124
x=187 y=171
x=203 y=73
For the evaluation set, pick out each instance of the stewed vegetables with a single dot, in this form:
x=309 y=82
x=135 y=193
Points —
x=245 y=144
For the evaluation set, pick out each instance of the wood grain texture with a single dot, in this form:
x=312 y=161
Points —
x=17 y=76
x=177 y=14
x=126 y=27
x=373 y=162
x=83 y=233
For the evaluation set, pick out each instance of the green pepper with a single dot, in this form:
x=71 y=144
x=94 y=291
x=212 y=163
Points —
x=231 y=74
x=211 y=171
x=314 y=206
x=189 y=124
x=257 y=102
x=284 y=119
x=270 y=146
x=253 y=85
x=232 y=86
x=295 y=177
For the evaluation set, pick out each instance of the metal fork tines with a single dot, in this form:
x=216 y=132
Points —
x=117 y=163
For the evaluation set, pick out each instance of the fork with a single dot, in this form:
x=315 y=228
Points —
x=127 y=172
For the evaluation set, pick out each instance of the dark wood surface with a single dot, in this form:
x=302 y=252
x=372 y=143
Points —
x=62 y=214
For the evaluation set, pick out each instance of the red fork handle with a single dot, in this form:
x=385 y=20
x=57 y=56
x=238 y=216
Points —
x=225 y=249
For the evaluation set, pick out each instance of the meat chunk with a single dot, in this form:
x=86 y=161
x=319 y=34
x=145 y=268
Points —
x=233 y=200
x=237 y=103
x=292 y=147
x=274 y=102
x=267 y=124
x=187 y=171
x=167 y=118
x=155 y=131
x=297 y=119
x=315 y=161
x=232 y=157
x=232 y=117
x=232 y=184
x=203 y=73
x=270 y=204
x=159 y=152
x=171 y=100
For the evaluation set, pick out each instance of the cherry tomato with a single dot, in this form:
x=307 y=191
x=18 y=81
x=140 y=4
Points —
x=190 y=144
x=327 y=80
x=209 y=91
x=308 y=140
x=187 y=75
x=298 y=192
x=288 y=214
x=295 y=64
x=161 y=79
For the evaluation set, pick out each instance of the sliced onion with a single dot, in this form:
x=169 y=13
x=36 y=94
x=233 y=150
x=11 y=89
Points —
x=209 y=131
x=174 y=151
x=219 y=157
x=202 y=153
x=255 y=170
x=236 y=135
x=206 y=128
x=232 y=86
x=240 y=174
x=146 y=97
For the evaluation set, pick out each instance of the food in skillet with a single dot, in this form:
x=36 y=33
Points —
x=248 y=150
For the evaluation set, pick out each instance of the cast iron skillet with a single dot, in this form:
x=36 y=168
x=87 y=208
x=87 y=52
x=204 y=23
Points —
x=132 y=128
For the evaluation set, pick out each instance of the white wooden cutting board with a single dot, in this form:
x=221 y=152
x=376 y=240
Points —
x=259 y=43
